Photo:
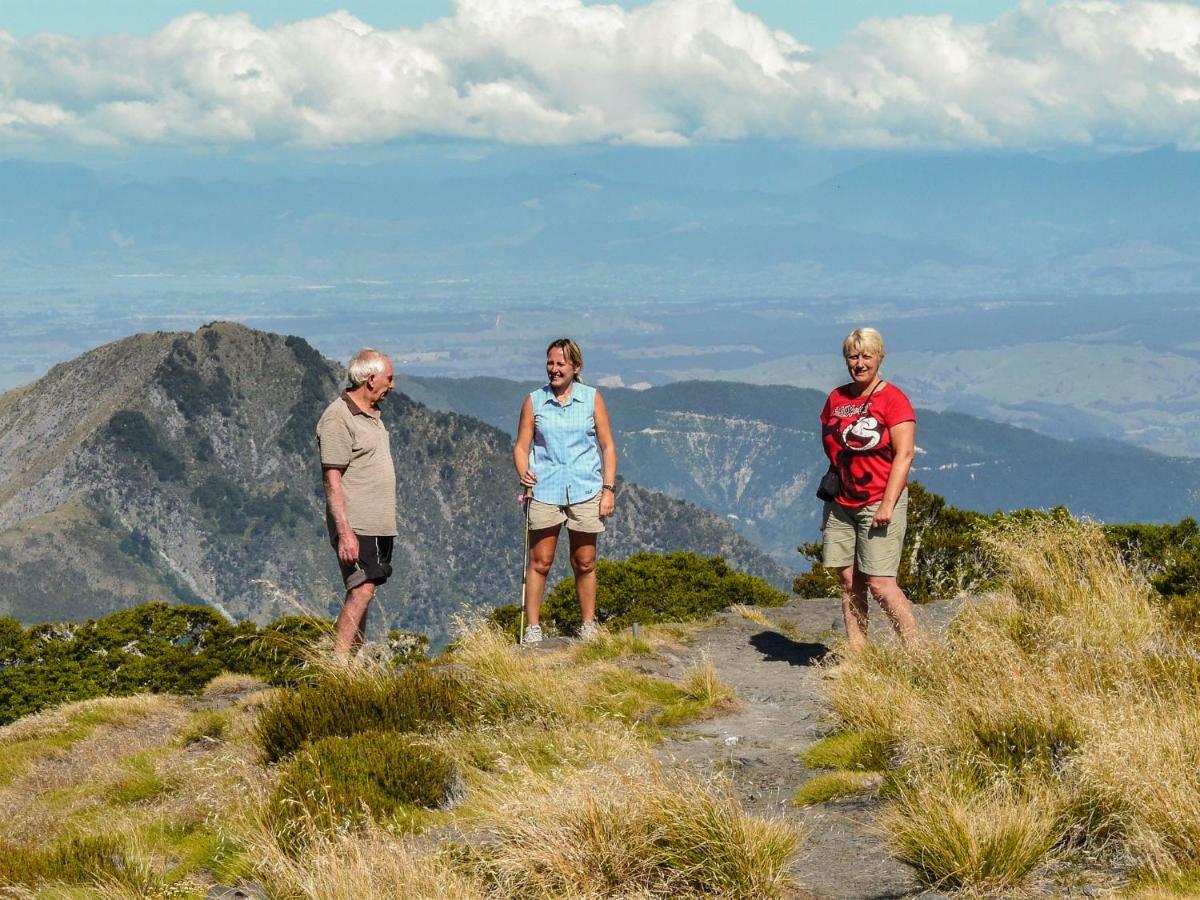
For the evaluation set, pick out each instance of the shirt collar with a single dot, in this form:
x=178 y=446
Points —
x=355 y=409
x=575 y=398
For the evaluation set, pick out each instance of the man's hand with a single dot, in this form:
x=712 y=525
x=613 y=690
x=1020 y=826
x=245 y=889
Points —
x=348 y=548
x=608 y=502
x=528 y=478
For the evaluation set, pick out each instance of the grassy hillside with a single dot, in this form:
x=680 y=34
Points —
x=529 y=776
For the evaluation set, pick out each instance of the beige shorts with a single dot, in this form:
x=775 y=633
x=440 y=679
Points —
x=582 y=516
x=851 y=541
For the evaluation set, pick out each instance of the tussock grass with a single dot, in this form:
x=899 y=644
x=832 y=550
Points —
x=556 y=739
x=1058 y=714
x=959 y=835
x=208 y=725
x=371 y=866
x=860 y=751
x=703 y=685
x=831 y=785
x=608 y=646
x=340 y=783
x=648 y=833
x=345 y=702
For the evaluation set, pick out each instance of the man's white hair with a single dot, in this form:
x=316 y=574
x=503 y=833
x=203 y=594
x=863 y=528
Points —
x=366 y=362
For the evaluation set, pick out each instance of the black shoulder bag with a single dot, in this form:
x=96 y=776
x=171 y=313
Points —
x=830 y=484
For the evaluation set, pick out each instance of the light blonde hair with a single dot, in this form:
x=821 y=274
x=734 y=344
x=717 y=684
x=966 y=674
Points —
x=572 y=353
x=863 y=339
x=366 y=362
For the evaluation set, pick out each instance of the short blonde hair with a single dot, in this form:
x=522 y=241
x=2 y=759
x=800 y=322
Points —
x=863 y=339
x=571 y=353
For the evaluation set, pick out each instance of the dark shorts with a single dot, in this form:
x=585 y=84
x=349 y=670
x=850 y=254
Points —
x=374 y=562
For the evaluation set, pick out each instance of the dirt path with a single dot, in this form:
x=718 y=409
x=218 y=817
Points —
x=782 y=711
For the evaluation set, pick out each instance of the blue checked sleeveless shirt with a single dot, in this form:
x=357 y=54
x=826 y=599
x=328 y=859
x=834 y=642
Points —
x=565 y=456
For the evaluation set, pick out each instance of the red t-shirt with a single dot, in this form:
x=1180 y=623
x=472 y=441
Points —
x=860 y=443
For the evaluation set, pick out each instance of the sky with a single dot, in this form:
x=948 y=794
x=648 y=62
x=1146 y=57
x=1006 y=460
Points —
x=1030 y=75
x=817 y=23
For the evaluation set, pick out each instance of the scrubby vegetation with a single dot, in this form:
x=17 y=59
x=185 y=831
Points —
x=131 y=433
x=536 y=763
x=651 y=587
x=150 y=648
x=344 y=703
x=340 y=783
x=946 y=553
x=1056 y=721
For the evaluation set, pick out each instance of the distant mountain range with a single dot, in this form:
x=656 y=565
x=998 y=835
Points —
x=752 y=453
x=182 y=466
x=741 y=219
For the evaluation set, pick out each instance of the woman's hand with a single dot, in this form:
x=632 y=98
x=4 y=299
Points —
x=608 y=502
x=883 y=515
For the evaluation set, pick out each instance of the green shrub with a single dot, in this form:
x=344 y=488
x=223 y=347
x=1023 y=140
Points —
x=651 y=587
x=347 y=703
x=340 y=782
x=157 y=648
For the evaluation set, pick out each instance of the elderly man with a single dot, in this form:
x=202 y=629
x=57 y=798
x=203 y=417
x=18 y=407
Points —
x=360 y=490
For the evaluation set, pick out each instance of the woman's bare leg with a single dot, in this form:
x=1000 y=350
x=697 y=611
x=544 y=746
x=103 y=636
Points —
x=542 y=545
x=897 y=606
x=583 y=563
x=854 y=607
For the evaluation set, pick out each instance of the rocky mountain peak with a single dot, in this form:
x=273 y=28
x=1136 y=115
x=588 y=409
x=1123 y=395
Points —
x=183 y=467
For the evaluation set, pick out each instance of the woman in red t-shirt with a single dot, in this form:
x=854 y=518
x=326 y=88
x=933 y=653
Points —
x=869 y=431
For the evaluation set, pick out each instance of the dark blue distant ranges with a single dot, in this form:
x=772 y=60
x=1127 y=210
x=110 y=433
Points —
x=752 y=452
x=755 y=218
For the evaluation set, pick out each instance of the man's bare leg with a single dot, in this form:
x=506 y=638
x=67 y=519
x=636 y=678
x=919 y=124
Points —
x=348 y=631
x=854 y=607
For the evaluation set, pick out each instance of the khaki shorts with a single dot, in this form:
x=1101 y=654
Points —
x=851 y=541
x=582 y=516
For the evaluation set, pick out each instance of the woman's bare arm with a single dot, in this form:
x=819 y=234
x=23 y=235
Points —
x=608 y=455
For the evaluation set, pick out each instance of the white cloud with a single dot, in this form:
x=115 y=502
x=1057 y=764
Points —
x=663 y=74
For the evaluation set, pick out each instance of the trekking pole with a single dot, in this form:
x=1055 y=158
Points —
x=524 y=562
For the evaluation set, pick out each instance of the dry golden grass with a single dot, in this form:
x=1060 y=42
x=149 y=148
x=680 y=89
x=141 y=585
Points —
x=374 y=866
x=702 y=684
x=556 y=745
x=1057 y=713
x=644 y=833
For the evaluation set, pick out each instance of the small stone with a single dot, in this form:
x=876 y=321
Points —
x=733 y=740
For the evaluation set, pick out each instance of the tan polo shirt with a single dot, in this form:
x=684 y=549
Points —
x=351 y=438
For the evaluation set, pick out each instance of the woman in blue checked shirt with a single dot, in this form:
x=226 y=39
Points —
x=566 y=456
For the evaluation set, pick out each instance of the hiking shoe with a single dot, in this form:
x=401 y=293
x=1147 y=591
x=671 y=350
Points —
x=533 y=635
x=588 y=631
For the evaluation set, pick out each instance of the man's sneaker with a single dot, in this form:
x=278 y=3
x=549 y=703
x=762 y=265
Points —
x=588 y=631
x=533 y=635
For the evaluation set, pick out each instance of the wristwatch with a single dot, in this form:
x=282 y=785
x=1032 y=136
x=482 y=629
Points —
x=609 y=487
